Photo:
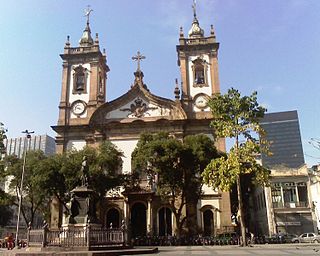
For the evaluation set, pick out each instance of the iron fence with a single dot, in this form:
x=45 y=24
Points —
x=76 y=237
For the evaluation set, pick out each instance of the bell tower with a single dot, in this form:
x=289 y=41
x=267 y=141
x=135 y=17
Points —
x=83 y=79
x=198 y=62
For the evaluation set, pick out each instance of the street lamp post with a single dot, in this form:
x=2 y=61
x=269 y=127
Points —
x=25 y=146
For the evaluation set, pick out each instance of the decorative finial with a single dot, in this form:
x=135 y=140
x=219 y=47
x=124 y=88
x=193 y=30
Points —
x=68 y=41
x=87 y=13
x=181 y=32
x=196 y=31
x=86 y=39
x=96 y=41
x=211 y=30
x=138 y=58
x=177 y=90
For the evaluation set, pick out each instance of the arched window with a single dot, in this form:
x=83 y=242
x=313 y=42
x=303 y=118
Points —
x=199 y=72
x=79 y=79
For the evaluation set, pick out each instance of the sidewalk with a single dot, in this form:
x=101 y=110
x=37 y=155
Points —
x=28 y=251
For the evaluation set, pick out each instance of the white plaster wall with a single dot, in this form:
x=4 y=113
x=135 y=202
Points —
x=209 y=190
x=127 y=147
x=195 y=90
x=205 y=188
x=76 y=144
x=195 y=109
x=125 y=110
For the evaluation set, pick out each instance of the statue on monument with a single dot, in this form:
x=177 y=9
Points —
x=85 y=172
x=74 y=209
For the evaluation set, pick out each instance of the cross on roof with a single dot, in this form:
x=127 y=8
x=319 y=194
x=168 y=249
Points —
x=138 y=58
x=87 y=12
x=194 y=8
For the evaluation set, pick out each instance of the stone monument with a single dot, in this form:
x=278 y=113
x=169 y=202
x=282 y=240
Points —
x=82 y=205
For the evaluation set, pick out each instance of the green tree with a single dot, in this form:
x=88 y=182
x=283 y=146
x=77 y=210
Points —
x=58 y=174
x=5 y=211
x=178 y=166
x=34 y=193
x=237 y=117
x=62 y=172
x=2 y=147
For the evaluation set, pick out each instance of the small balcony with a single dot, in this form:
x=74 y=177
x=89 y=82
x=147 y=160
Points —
x=287 y=205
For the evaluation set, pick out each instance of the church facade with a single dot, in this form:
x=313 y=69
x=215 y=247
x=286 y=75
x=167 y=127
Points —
x=87 y=118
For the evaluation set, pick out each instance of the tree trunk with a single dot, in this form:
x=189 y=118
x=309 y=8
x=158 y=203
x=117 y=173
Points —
x=243 y=240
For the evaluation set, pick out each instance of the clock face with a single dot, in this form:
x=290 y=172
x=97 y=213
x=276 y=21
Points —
x=201 y=101
x=78 y=107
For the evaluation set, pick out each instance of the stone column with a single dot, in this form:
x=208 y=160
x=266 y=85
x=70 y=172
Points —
x=149 y=217
x=215 y=219
x=282 y=196
x=297 y=196
x=126 y=212
x=126 y=216
x=271 y=223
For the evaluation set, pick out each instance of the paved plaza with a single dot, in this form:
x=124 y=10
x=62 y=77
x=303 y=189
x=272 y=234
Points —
x=260 y=250
x=274 y=250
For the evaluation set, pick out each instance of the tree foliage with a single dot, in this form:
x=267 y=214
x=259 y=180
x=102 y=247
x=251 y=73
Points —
x=237 y=117
x=5 y=211
x=2 y=147
x=57 y=175
x=34 y=195
x=177 y=165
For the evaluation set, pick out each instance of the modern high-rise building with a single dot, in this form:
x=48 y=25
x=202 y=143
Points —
x=16 y=146
x=286 y=205
x=283 y=134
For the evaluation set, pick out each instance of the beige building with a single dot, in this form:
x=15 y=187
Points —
x=86 y=117
x=286 y=205
x=314 y=175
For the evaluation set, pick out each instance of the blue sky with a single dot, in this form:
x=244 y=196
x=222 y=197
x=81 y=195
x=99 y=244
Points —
x=270 y=46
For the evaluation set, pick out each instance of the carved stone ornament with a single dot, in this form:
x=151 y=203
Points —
x=138 y=108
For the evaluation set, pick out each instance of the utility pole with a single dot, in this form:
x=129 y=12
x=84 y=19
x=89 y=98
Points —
x=25 y=146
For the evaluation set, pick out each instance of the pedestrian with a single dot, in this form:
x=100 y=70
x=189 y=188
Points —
x=10 y=242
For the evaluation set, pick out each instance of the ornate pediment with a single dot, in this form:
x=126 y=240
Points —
x=138 y=108
x=138 y=104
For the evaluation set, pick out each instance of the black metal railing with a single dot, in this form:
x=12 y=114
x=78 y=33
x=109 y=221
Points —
x=77 y=237
x=290 y=204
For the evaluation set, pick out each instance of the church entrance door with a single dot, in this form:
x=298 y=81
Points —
x=138 y=220
x=207 y=222
x=165 y=222
x=113 y=217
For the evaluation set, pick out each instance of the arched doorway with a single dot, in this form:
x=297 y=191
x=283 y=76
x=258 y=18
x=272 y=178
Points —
x=165 y=221
x=138 y=220
x=208 y=222
x=113 y=216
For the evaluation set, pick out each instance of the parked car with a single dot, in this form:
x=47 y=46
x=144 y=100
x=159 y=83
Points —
x=307 y=238
x=287 y=238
